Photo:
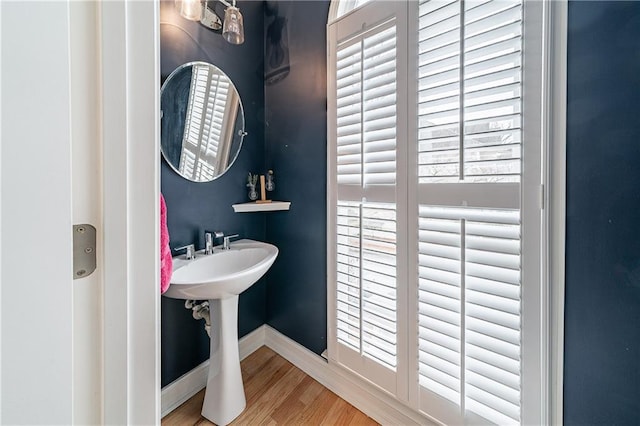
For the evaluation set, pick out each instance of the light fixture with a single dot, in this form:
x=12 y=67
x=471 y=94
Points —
x=233 y=27
x=199 y=10
x=192 y=10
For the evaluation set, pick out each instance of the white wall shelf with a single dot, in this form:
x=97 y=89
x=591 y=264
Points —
x=261 y=207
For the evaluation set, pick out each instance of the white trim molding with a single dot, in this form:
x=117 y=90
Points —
x=555 y=199
x=130 y=126
x=184 y=387
x=252 y=342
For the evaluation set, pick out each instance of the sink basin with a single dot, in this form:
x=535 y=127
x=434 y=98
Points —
x=223 y=274
x=219 y=278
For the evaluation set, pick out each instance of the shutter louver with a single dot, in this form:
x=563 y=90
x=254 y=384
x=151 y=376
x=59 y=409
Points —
x=349 y=114
x=379 y=283
x=439 y=258
x=469 y=308
x=366 y=109
x=492 y=99
x=439 y=91
x=366 y=279
x=490 y=45
x=348 y=278
x=492 y=297
x=379 y=106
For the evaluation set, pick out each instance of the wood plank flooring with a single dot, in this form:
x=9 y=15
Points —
x=278 y=393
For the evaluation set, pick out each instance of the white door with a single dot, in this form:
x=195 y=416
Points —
x=78 y=146
x=37 y=287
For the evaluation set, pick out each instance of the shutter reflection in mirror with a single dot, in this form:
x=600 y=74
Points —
x=211 y=100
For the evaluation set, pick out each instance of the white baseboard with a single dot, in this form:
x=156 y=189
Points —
x=252 y=342
x=189 y=384
x=366 y=397
x=180 y=390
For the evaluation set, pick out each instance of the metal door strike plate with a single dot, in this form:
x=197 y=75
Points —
x=84 y=250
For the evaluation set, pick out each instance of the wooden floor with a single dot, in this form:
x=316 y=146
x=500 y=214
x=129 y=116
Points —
x=278 y=393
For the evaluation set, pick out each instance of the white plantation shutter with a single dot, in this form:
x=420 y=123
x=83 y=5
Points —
x=470 y=243
x=364 y=160
x=456 y=237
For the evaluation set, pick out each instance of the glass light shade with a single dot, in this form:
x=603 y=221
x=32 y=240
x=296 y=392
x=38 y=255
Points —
x=233 y=27
x=192 y=10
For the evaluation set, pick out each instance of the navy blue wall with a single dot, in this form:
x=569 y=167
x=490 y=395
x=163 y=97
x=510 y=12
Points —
x=602 y=311
x=296 y=146
x=194 y=207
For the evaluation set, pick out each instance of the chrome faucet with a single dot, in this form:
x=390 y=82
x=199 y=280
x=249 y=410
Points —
x=225 y=241
x=190 y=251
x=209 y=239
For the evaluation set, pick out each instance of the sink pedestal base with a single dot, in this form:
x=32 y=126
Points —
x=224 y=398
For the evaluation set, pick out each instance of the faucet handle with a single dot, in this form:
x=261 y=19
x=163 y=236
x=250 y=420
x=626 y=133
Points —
x=217 y=234
x=225 y=241
x=214 y=234
x=191 y=251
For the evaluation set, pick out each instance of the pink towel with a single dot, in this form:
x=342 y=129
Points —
x=166 y=263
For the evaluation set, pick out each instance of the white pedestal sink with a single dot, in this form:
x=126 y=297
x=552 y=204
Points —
x=219 y=278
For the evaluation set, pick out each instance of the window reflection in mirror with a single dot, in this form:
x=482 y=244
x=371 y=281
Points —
x=202 y=121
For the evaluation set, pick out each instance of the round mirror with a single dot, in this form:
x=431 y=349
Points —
x=202 y=121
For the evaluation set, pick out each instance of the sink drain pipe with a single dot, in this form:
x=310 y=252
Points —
x=200 y=311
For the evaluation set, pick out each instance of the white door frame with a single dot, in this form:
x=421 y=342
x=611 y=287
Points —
x=130 y=132
x=555 y=198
